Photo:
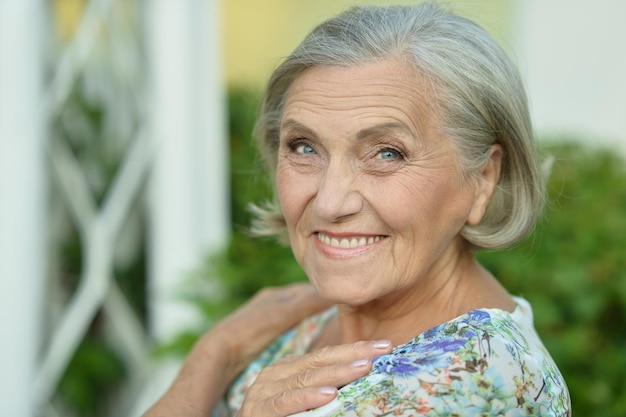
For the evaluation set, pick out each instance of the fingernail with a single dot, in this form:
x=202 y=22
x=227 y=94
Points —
x=328 y=390
x=381 y=344
x=360 y=363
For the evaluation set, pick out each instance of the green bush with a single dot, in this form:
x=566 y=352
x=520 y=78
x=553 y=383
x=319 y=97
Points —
x=573 y=271
x=572 y=268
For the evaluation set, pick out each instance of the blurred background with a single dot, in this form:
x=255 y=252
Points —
x=126 y=164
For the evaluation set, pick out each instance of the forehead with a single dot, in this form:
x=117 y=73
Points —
x=389 y=90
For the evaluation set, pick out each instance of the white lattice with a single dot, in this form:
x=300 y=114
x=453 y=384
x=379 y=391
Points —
x=98 y=225
x=106 y=60
x=149 y=73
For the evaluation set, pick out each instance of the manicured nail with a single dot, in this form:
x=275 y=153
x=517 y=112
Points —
x=381 y=344
x=328 y=390
x=360 y=363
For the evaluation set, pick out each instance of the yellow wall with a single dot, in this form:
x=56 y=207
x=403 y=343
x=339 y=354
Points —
x=67 y=15
x=258 y=33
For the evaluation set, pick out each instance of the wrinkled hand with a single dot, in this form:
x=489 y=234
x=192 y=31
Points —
x=299 y=383
x=271 y=312
x=229 y=346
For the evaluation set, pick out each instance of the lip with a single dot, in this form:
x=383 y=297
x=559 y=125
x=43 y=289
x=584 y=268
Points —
x=346 y=244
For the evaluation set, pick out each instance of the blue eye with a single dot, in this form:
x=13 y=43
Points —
x=389 y=154
x=304 y=149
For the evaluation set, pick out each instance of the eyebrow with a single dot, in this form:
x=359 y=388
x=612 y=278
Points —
x=381 y=129
x=376 y=130
x=295 y=125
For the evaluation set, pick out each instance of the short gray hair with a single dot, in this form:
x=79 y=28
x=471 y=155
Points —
x=480 y=102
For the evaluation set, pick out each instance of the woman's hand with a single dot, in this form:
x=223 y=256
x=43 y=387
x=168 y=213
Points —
x=271 y=312
x=231 y=345
x=300 y=383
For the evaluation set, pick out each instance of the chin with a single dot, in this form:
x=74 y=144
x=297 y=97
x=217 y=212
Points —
x=353 y=295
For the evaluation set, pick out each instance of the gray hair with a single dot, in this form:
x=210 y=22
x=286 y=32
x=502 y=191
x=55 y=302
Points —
x=479 y=94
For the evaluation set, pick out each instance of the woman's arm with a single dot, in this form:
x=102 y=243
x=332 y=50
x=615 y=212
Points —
x=225 y=350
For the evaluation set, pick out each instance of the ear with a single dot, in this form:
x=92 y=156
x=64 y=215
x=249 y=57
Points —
x=486 y=184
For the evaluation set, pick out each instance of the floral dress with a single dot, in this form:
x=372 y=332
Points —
x=487 y=362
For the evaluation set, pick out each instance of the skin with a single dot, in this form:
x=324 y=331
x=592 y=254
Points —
x=292 y=385
x=361 y=158
x=362 y=162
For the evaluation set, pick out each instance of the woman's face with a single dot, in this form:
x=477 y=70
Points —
x=370 y=190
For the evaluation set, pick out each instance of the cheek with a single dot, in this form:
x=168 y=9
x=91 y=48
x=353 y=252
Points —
x=292 y=194
x=402 y=198
x=419 y=206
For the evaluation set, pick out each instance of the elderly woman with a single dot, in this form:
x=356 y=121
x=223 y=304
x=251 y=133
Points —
x=400 y=143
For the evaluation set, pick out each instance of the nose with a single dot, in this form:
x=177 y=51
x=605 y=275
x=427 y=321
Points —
x=337 y=196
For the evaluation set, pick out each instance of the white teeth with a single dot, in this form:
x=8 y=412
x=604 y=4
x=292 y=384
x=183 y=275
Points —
x=347 y=243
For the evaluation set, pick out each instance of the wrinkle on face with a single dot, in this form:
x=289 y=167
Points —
x=419 y=201
x=329 y=94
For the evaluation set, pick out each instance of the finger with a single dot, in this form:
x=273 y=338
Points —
x=301 y=300
x=348 y=352
x=281 y=308
x=333 y=355
x=335 y=375
x=288 y=402
x=270 y=313
x=308 y=299
x=320 y=368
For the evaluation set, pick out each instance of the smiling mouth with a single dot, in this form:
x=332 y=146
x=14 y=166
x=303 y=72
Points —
x=348 y=242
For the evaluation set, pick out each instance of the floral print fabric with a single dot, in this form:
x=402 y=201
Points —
x=488 y=362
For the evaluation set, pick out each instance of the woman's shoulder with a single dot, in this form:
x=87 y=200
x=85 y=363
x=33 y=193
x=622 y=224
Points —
x=483 y=361
x=472 y=343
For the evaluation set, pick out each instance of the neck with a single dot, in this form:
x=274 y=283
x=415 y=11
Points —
x=461 y=287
